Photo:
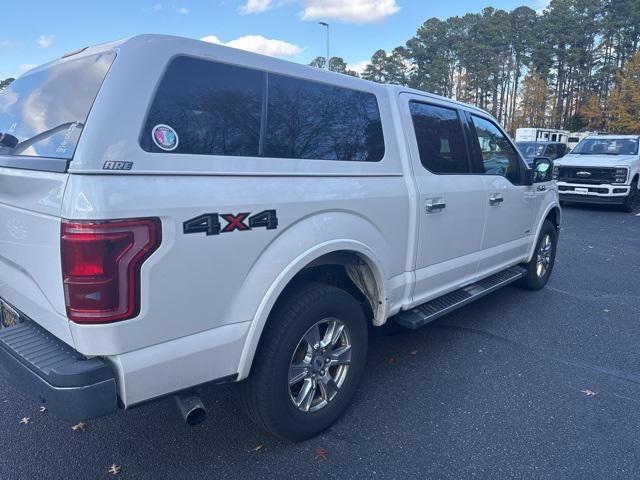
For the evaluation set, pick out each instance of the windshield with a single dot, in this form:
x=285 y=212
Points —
x=531 y=149
x=42 y=113
x=607 y=146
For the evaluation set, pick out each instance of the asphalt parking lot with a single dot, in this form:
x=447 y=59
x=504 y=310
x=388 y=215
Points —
x=520 y=385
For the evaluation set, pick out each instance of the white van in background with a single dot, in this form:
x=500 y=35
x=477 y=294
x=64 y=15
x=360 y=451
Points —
x=541 y=135
x=575 y=137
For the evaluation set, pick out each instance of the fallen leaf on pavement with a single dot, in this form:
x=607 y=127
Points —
x=114 y=469
x=415 y=352
x=43 y=409
x=25 y=420
x=259 y=447
x=322 y=454
x=79 y=427
x=588 y=393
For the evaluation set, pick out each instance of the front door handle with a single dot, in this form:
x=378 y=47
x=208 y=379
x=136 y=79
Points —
x=496 y=199
x=435 y=206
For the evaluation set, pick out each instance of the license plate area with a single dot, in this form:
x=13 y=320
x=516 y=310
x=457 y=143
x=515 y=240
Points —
x=581 y=190
x=9 y=316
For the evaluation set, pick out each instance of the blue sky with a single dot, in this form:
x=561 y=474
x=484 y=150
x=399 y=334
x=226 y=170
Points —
x=36 y=31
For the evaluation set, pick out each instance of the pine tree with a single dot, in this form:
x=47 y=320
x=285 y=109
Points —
x=592 y=114
x=624 y=106
x=5 y=83
x=336 y=64
x=535 y=93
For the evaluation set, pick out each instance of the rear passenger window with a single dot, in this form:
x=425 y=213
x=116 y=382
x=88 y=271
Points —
x=214 y=109
x=311 y=120
x=440 y=139
x=208 y=108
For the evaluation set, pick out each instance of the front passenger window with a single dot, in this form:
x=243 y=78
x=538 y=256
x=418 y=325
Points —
x=499 y=157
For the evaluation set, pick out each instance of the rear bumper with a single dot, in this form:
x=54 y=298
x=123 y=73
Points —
x=72 y=387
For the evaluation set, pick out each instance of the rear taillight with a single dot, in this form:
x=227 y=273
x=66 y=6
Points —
x=101 y=262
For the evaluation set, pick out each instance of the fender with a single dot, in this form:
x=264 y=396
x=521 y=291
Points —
x=551 y=206
x=261 y=273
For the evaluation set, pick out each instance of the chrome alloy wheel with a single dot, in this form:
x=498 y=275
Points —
x=544 y=256
x=319 y=365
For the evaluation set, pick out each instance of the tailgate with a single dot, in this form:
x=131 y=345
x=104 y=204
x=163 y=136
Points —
x=30 y=269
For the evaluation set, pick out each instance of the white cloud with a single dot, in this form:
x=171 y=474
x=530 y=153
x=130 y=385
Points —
x=542 y=5
x=259 y=44
x=45 y=41
x=256 y=6
x=157 y=7
x=9 y=44
x=27 y=66
x=211 y=39
x=357 y=11
x=358 y=67
x=183 y=11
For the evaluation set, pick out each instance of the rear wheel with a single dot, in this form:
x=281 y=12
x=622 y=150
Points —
x=308 y=364
x=630 y=201
x=540 y=267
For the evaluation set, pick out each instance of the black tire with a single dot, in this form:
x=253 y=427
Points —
x=630 y=201
x=532 y=279
x=266 y=393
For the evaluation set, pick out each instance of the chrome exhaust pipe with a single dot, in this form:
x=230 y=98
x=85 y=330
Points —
x=191 y=408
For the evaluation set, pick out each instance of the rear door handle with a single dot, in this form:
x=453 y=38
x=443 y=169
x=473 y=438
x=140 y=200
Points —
x=435 y=206
x=496 y=199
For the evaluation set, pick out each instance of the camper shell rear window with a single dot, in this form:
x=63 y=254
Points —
x=42 y=114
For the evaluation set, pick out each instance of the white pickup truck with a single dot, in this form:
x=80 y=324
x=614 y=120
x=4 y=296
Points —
x=175 y=213
x=602 y=169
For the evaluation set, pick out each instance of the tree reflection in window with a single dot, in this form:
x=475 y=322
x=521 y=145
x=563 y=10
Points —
x=310 y=120
x=214 y=108
x=218 y=109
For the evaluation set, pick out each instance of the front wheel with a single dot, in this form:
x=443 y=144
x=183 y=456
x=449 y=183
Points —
x=540 y=267
x=630 y=201
x=308 y=364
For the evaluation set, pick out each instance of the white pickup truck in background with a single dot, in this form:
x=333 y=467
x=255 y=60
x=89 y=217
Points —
x=175 y=213
x=602 y=169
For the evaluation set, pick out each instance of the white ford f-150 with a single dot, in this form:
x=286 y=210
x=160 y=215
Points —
x=601 y=169
x=175 y=213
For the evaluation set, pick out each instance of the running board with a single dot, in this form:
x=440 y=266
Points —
x=427 y=312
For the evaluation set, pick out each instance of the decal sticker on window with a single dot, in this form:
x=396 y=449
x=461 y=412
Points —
x=165 y=137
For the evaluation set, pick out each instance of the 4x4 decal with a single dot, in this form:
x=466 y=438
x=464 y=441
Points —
x=209 y=223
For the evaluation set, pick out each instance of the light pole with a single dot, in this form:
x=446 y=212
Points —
x=325 y=24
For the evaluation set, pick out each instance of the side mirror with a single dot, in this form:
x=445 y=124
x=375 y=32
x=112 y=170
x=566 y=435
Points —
x=542 y=169
x=7 y=140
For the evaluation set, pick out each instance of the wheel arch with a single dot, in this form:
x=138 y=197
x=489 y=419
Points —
x=552 y=213
x=338 y=252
